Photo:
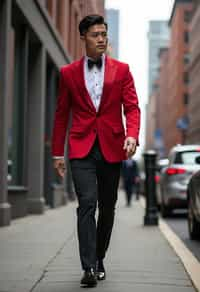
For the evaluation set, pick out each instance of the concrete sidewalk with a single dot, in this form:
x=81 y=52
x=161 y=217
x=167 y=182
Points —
x=40 y=254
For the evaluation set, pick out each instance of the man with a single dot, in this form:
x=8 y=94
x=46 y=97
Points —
x=94 y=90
x=130 y=176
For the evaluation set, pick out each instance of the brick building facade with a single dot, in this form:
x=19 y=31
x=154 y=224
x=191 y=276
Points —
x=172 y=109
x=162 y=103
x=194 y=69
x=178 y=81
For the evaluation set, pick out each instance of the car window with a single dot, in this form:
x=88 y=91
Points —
x=171 y=157
x=187 y=157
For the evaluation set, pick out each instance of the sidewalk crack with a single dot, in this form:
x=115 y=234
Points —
x=51 y=260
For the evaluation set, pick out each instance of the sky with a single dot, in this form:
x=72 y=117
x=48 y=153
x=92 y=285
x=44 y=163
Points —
x=133 y=43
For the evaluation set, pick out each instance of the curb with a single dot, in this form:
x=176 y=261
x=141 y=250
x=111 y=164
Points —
x=191 y=264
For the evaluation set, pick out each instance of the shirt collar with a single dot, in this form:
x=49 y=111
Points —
x=87 y=58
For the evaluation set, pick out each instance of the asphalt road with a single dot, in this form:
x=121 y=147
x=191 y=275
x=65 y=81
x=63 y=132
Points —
x=178 y=223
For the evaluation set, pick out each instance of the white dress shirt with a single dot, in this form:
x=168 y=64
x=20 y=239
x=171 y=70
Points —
x=94 y=80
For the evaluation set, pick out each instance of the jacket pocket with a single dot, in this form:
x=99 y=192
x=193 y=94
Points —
x=77 y=131
x=118 y=130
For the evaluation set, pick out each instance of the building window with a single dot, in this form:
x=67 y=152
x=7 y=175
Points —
x=186 y=37
x=185 y=98
x=17 y=109
x=187 y=16
x=186 y=58
x=186 y=77
x=155 y=86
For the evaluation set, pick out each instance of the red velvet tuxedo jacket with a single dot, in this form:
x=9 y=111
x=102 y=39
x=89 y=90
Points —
x=86 y=122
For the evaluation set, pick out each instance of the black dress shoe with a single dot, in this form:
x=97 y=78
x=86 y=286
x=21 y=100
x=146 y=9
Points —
x=89 y=278
x=100 y=270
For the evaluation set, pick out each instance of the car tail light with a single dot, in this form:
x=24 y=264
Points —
x=173 y=171
x=157 y=178
x=198 y=149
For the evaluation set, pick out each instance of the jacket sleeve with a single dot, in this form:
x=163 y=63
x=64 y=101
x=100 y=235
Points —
x=131 y=107
x=61 y=117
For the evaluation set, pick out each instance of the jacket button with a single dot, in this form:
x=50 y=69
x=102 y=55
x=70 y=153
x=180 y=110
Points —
x=94 y=130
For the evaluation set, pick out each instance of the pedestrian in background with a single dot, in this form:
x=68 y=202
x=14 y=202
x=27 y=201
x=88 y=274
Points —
x=130 y=177
x=94 y=89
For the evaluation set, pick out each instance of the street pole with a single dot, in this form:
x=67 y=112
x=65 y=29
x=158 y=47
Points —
x=151 y=215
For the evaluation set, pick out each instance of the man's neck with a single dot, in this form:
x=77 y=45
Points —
x=94 y=57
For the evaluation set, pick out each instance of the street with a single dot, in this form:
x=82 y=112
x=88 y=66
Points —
x=178 y=222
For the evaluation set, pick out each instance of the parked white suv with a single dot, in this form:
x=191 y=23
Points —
x=175 y=177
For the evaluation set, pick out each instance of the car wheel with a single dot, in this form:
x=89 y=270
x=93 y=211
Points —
x=193 y=224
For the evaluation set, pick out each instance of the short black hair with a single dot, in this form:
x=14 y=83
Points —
x=89 y=21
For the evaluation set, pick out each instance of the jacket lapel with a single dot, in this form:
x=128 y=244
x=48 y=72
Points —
x=80 y=82
x=109 y=77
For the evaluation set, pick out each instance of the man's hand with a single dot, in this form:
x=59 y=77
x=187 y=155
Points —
x=59 y=165
x=130 y=145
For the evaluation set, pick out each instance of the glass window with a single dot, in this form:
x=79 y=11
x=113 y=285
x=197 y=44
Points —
x=16 y=100
x=186 y=77
x=186 y=37
x=186 y=59
x=187 y=157
x=187 y=16
x=185 y=98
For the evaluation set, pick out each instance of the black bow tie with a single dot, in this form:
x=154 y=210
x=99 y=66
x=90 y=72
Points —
x=92 y=63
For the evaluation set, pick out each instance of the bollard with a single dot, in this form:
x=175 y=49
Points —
x=151 y=215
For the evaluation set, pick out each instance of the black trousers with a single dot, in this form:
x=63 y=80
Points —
x=95 y=181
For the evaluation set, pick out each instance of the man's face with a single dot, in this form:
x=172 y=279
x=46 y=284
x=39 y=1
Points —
x=95 y=40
